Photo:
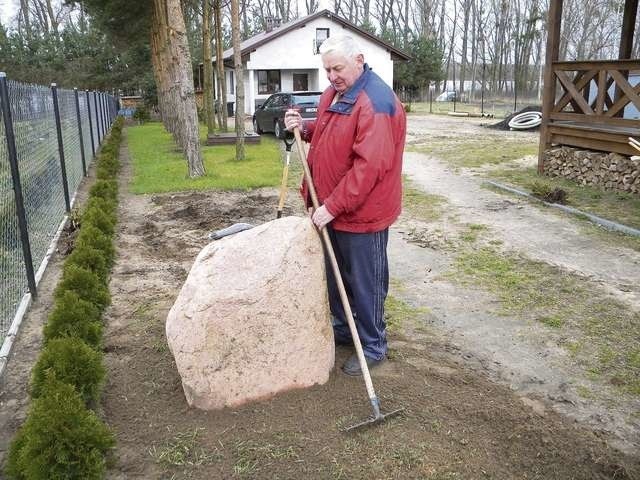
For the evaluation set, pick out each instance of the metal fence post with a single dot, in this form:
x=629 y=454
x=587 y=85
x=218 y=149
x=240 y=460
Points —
x=109 y=109
x=63 y=168
x=95 y=106
x=93 y=146
x=17 y=185
x=84 y=163
x=107 y=114
x=104 y=116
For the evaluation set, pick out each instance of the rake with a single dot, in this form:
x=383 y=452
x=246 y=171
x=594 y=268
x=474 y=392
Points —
x=377 y=416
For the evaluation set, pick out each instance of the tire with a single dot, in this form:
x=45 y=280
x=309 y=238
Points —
x=256 y=127
x=278 y=130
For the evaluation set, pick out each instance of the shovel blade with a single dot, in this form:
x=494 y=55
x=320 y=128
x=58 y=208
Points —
x=225 y=232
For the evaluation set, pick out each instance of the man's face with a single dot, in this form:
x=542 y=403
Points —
x=342 y=72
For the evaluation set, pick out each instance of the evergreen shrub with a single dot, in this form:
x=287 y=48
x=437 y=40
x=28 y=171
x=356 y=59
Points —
x=107 y=206
x=105 y=189
x=99 y=219
x=60 y=440
x=86 y=284
x=71 y=361
x=91 y=236
x=89 y=258
x=74 y=317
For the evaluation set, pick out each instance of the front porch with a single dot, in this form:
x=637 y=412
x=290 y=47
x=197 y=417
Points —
x=599 y=105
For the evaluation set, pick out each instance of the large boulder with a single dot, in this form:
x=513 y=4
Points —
x=252 y=318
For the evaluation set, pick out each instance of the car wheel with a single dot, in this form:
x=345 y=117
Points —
x=278 y=130
x=256 y=127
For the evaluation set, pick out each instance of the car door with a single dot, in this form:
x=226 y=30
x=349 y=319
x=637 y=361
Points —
x=263 y=115
x=275 y=110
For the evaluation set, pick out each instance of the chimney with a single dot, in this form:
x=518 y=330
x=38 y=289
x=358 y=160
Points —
x=271 y=23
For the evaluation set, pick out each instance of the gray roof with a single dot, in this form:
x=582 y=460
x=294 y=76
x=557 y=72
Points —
x=260 y=39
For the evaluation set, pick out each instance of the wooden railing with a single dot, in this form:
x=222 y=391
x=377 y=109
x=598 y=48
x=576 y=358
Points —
x=588 y=113
x=579 y=104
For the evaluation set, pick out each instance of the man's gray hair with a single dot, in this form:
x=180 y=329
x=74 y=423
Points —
x=341 y=44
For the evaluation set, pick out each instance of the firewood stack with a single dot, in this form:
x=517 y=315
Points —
x=610 y=171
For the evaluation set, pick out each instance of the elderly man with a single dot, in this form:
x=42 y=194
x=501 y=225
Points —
x=355 y=158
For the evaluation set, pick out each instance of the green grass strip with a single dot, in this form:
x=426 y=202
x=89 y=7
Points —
x=159 y=166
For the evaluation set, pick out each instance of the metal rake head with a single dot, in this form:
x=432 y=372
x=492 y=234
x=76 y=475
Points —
x=379 y=417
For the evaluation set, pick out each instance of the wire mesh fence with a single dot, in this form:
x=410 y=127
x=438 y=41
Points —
x=477 y=102
x=41 y=168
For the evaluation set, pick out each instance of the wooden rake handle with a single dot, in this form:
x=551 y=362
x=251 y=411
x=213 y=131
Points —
x=336 y=273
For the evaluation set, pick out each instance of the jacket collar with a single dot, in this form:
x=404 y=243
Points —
x=345 y=104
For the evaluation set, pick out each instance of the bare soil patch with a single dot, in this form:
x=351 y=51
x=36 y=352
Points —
x=474 y=407
x=458 y=423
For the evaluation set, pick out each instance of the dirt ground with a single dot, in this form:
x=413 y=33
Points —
x=480 y=402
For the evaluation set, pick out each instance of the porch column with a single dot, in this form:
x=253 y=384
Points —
x=626 y=41
x=251 y=94
x=628 y=27
x=549 y=93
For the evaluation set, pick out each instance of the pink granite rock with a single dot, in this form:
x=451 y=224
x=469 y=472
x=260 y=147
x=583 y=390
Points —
x=252 y=318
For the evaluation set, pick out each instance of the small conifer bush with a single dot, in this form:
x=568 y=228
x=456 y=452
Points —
x=86 y=284
x=71 y=361
x=99 y=219
x=105 y=189
x=108 y=167
x=109 y=207
x=91 y=236
x=61 y=439
x=74 y=317
x=90 y=258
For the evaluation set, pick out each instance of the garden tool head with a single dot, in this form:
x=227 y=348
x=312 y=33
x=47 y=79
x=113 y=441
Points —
x=377 y=416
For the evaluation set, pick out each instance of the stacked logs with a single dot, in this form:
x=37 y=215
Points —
x=610 y=171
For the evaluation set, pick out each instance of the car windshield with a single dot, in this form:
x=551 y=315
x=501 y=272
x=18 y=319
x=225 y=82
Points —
x=305 y=99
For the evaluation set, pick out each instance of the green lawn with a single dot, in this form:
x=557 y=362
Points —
x=159 y=166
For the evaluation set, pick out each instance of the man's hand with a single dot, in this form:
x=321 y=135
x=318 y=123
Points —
x=292 y=119
x=321 y=217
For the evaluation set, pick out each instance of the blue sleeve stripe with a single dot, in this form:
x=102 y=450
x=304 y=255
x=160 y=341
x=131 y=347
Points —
x=382 y=98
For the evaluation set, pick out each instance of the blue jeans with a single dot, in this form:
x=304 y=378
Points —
x=362 y=258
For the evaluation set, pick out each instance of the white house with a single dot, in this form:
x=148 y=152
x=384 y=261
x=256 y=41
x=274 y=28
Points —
x=285 y=58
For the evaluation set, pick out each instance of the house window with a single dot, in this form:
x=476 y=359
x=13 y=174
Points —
x=268 y=81
x=300 y=82
x=321 y=35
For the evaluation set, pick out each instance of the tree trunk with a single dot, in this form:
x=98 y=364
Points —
x=465 y=36
x=222 y=82
x=237 y=65
x=172 y=62
x=207 y=67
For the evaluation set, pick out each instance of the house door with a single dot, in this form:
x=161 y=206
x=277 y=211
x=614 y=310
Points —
x=300 y=82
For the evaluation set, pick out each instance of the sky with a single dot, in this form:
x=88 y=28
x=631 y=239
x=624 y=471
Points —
x=7 y=10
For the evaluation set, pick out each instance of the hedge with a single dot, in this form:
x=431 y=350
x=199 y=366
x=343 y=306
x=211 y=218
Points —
x=62 y=438
x=74 y=317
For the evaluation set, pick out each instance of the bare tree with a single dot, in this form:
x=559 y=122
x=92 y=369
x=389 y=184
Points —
x=237 y=65
x=222 y=84
x=174 y=78
x=207 y=67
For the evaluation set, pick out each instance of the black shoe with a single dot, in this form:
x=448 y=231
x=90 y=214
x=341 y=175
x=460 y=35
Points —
x=352 y=366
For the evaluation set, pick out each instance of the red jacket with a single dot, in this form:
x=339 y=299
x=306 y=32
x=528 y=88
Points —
x=355 y=155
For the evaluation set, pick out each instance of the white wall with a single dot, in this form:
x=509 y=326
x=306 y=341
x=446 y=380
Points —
x=293 y=53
